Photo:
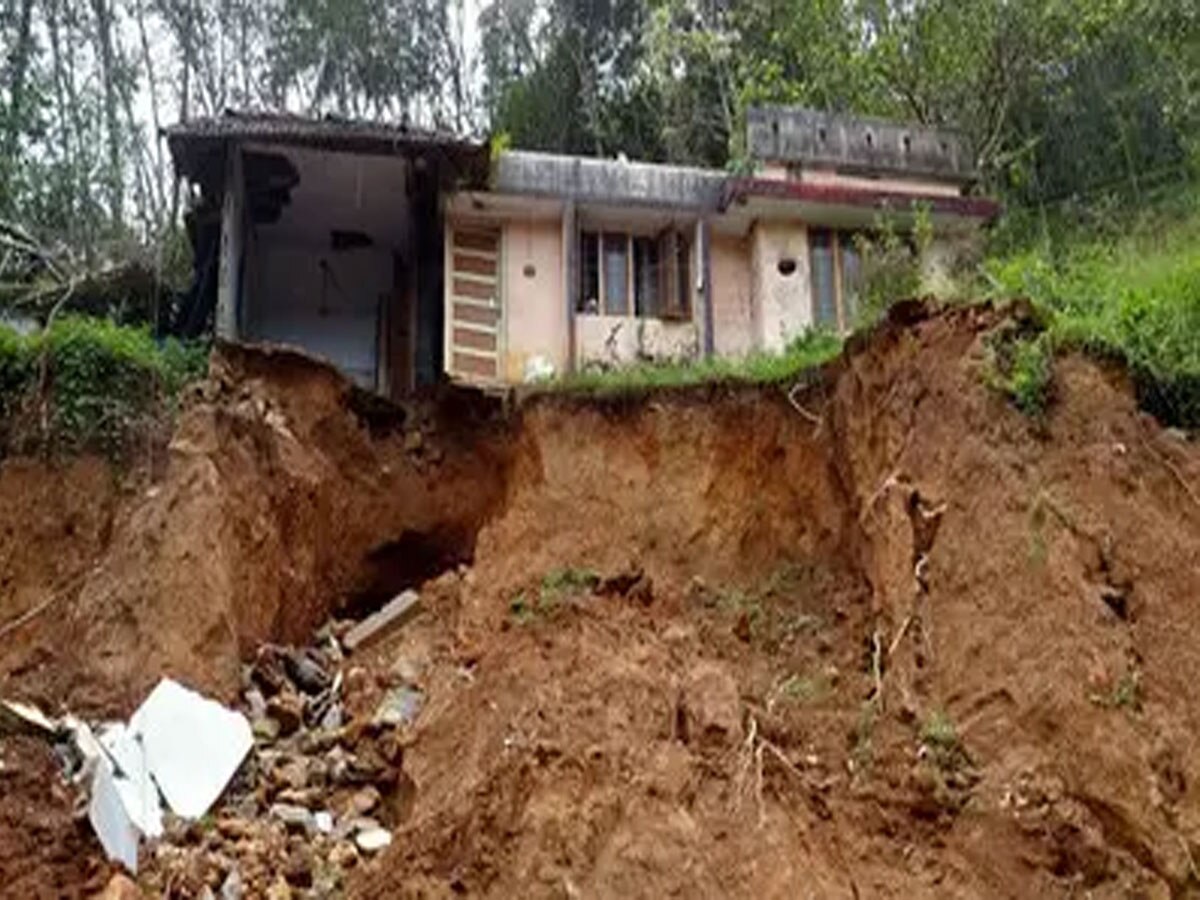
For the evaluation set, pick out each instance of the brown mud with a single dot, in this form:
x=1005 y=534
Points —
x=891 y=639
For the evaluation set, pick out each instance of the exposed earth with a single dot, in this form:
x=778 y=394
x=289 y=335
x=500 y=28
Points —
x=881 y=636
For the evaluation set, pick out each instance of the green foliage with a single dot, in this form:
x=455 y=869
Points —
x=1125 y=694
x=89 y=384
x=1131 y=292
x=772 y=611
x=862 y=749
x=568 y=581
x=942 y=745
x=803 y=688
x=805 y=352
x=1021 y=366
x=891 y=263
x=557 y=587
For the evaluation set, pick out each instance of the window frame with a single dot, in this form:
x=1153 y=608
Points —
x=835 y=238
x=674 y=301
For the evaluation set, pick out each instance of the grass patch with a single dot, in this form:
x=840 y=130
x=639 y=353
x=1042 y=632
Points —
x=771 y=612
x=803 y=688
x=88 y=384
x=809 y=350
x=556 y=588
x=862 y=750
x=1021 y=367
x=1125 y=694
x=1131 y=293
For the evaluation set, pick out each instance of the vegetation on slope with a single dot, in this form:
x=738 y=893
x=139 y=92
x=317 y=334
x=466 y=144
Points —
x=1133 y=294
x=89 y=384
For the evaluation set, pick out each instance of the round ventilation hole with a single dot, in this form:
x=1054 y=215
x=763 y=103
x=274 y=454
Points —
x=786 y=266
x=530 y=270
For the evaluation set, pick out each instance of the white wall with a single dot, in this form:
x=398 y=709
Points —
x=335 y=316
x=609 y=341
x=304 y=293
x=782 y=303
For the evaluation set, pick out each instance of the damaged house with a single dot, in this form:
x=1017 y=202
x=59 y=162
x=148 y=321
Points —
x=403 y=256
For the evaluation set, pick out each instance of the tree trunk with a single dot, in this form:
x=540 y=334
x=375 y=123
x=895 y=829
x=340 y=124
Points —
x=16 y=91
x=112 y=120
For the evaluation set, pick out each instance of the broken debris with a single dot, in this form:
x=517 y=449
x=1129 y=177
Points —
x=289 y=778
x=392 y=615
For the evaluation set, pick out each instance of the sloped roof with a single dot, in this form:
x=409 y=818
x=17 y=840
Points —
x=192 y=142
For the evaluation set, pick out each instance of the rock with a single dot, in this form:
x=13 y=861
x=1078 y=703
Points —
x=344 y=855
x=352 y=826
x=256 y=704
x=711 y=705
x=365 y=801
x=406 y=670
x=287 y=708
x=120 y=887
x=393 y=615
x=231 y=888
x=333 y=718
x=413 y=441
x=291 y=774
x=309 y=798
x=399 y=706
x=232 y=828
x=206 y=893
x=295 y=818
x=373 y=840
x=306 y=671
x=298 y=869
x=266 y=729
x=279 y=890
x=324 y=821
x=269 y=672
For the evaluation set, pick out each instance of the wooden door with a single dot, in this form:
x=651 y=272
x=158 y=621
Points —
x=475 y=316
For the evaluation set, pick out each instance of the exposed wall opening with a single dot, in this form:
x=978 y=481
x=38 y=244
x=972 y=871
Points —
x=406 y=562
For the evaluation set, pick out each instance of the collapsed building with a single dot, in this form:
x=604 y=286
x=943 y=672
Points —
x=406 y=256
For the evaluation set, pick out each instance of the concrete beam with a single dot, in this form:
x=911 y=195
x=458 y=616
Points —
x=790 y=134
x=607 y=181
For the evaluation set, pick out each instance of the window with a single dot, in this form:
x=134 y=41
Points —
x=641 y=275
x=836 y=266
x=616 y=274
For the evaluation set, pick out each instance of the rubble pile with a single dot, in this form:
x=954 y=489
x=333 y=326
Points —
x=319 y=791
x=278 y=799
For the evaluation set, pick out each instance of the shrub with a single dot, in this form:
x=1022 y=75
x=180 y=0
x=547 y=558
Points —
x=1132 y=294
x=95 y=385
x=1022 y=368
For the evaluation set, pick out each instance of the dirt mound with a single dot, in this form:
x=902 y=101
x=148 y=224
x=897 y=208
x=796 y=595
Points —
x=278 y=505
x=888 y=637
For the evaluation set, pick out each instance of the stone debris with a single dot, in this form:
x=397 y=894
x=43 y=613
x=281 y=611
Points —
x=400 y=706
x=372 y=840
x=394 y=614
x=276 y=799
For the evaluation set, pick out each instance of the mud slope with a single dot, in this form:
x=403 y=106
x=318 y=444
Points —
x=1022 y=599
x=890 y=640
x=285 y=496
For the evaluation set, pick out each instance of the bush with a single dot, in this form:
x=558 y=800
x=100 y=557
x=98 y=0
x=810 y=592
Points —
x=1135 y=297
x=1021 y=366
x=89 y=384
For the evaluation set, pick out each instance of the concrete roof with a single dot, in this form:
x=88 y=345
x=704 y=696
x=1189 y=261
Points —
x=607 y=180
x=193 y=142
x=857 y=144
